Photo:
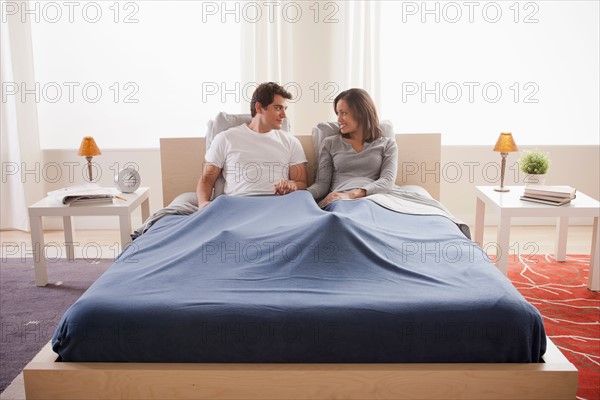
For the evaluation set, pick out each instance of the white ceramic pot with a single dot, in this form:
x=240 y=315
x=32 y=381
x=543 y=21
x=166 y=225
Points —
x=535 y=179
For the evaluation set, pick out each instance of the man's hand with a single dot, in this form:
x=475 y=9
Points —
x=284 y=187
x=298 y=180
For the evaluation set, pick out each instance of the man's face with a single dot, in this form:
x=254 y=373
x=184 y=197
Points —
x=273 y=115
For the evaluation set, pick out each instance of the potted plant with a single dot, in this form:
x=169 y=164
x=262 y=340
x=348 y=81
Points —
x=535 y=165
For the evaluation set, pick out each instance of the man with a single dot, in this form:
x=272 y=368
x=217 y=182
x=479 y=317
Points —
x=257 y=158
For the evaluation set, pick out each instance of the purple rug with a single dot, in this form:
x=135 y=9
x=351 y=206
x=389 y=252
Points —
x=29 y=314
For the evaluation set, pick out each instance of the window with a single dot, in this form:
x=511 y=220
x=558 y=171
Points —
x=129 y=73
x=473 y=69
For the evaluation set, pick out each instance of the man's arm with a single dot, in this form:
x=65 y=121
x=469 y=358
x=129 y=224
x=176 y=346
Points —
x=299 y=176
x=298 y=180
x=206 y=183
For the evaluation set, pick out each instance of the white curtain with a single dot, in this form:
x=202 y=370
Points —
x=318 y=56
x=12 y=190
x=359 y=45
x=267 y=48
x=275 y=49
x=22 y=182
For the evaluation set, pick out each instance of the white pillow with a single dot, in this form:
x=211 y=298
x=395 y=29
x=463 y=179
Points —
x=326 y=129
x=222 y=122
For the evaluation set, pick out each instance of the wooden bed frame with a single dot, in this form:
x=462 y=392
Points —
x=47 y=379
x=181 y=159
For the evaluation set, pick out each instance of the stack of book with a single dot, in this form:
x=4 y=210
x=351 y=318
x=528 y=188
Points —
x=553 y=195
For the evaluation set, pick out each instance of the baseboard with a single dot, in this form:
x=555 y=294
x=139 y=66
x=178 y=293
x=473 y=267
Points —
x=493 y=220
x=87 y=223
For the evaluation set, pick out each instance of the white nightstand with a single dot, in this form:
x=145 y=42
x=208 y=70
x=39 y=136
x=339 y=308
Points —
x=508 y=205
x=49 y=207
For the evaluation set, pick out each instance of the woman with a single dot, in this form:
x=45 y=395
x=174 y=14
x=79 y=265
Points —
x=359 y=161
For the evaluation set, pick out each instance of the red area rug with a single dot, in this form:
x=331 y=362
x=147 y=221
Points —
x=571 y=312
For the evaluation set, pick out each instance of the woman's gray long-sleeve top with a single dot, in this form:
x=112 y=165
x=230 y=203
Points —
x=341 y=168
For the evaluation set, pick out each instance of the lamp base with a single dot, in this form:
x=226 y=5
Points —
x=89 y=163
x=502 y=189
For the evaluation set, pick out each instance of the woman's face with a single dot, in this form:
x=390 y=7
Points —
x=348 y=124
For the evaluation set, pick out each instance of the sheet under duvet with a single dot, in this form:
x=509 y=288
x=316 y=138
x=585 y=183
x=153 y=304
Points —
x=276 y=279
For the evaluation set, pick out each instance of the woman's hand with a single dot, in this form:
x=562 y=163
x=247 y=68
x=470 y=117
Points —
x=333 y=196
x=284 y=187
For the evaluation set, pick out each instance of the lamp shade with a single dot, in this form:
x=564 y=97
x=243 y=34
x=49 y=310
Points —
x=88 y=147
x=505 y=143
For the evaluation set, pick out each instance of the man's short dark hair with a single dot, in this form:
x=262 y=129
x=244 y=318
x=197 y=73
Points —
x=265 y=93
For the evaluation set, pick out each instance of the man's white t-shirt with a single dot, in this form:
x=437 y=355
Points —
x=253 y=162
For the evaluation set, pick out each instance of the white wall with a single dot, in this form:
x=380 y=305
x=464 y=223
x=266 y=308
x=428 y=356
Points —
x=462 y=168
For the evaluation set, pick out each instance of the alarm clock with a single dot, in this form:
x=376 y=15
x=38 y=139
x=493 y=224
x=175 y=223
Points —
x=128 y=180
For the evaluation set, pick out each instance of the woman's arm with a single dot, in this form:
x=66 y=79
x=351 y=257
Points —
x=324 y=172
x=389 y=169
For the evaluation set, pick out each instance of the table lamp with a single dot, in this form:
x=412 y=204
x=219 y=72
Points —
x=504 y=145
x=89 y=149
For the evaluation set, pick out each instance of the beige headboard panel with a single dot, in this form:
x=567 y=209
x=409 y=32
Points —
x=418 y=162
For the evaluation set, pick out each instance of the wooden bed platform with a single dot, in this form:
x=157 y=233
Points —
x=181 y=161
x=45 y=378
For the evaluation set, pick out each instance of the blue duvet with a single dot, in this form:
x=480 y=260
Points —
x=276 y=279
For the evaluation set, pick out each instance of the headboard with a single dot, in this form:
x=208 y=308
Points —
x=418 y=162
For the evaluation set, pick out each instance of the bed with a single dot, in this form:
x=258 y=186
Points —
x=294 y=370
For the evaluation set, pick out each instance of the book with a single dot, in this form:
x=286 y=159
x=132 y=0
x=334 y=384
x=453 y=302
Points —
x=550 y=202
x=557 y=191
x=549 y=198
x=82 y=194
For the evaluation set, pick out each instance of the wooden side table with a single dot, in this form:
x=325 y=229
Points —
x=508 y=205
x=49 y=207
